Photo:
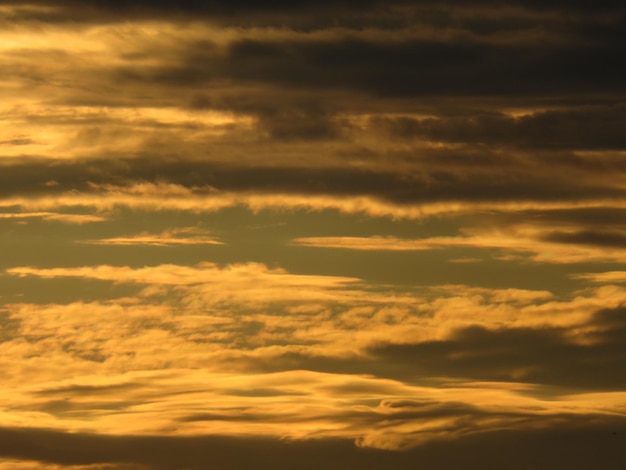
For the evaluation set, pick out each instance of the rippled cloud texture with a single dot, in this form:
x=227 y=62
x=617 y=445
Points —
x=312 y=235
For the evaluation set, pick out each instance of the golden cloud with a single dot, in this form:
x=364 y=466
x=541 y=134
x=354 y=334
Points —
x=522 y=240
x=179 y=236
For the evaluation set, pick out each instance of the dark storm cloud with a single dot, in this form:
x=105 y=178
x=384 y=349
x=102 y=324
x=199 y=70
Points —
x=401 y=68
x=297 y=85
x=544 y=355
x=583 y=443
x=281 y=116
x=477 y=59
x=247 y=6
x=306 y=121
x=599 y=128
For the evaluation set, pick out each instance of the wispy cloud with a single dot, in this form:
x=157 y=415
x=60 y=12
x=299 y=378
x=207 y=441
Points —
x=54 y=216
x=603 y=277
x=537 y=243
x=179 y=236
x=379 y=413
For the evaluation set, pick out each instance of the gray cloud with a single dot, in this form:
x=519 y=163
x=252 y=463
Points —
x=598 y=128
x=589 y=237
x=585 y=443
x=543 y=355
x=242 y=8
x=403 y=68
x=445 y=180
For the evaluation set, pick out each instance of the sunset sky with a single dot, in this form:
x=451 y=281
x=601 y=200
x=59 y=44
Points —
x=312 y=235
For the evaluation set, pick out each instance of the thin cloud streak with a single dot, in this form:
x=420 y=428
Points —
x=55 y=216
x=180 y=236
x=532 y=242
x=604 y=278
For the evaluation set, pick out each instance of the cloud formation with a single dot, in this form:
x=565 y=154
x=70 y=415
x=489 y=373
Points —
x=333 y=234
x=179 y=236
x=551 y=246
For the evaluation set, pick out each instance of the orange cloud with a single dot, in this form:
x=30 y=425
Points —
x=180 y=236
x=318 y=311
x=203 y=273
x=521 y=240
x=604 y=277
x=183 y=366
x=55 y=216
x=375 y=412
x=168 y=196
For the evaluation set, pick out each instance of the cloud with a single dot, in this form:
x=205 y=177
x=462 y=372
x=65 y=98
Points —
x=208 y=105
x=465 y=260
x=558 y=356
x=605 y=277
x=568 y=446
x=179 y=236
x=246 y=317
x=485 y=132
x=309 y=15
x=350 y=363
x=55 y=216
x=36 y=465
x=369 y=243
x=203 y=273
x=539 y=243
x=274 y=306
x=297 y=405
x=167 y=196
x=590 y=128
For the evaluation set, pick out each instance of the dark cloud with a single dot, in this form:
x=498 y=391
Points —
x=445 y=181
x=86 y=390
x=401 y=68
x=298 y=84
x=307 y=121
x=17 y=142
x=583 y=443
x=546 y=356
x=543 y=355
x=599 y=128
x=594 y=219
x=594 y=238
x=555 y=357
x=216 y=7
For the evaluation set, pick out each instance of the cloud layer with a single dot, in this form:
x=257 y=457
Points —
x=304 y=234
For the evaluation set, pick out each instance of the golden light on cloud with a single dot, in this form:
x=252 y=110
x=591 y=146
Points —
x=605 y=277
x=319 y=235
x=517 y=239
x=164 y=197
x=179 y=236
x=54 y=216
x=314 y=404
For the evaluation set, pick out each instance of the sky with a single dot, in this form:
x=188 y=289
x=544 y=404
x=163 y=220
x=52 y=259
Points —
x=299 y=234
